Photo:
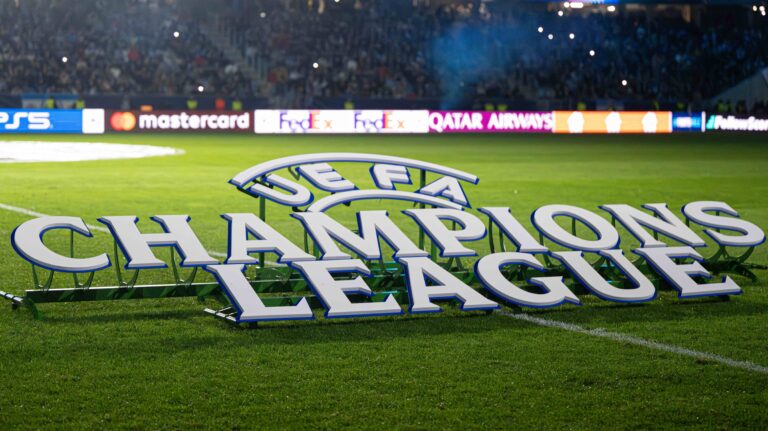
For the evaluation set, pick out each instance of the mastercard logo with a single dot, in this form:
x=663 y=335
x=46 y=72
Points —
x=122 y=121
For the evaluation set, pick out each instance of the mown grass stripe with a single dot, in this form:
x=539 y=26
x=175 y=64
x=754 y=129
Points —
x=602 y=333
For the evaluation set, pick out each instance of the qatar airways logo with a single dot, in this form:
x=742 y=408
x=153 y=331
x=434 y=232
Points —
x=539 y=268
x=489 y=122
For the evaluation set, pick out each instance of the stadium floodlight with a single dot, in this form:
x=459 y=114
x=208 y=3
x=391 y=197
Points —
x=577 y=5
x=754 y=8
x=263 y=15
x=611 y=8
x=64 y=59
x=541 y=29
x=623 y=82
x=559 y=13
x=591 y=52
x=176 y=34
x=567 y=5
x=200 y=88
x=315 y=65
x=550 y=36
x=571 y=36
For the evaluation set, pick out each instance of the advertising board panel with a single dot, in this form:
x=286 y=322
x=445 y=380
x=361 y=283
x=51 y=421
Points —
x=340 y=121
x=489 y=122
x=737 y=124
x=52 y=121
x=179 y=121
x=612 y=122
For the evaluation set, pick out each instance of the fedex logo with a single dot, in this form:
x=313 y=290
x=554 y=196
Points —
x=393 y=121
x=304 y=121
x=377 y=121
x=25 y=120
x=339 y=121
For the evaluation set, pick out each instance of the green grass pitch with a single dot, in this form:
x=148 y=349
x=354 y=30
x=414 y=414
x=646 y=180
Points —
x=163 y=364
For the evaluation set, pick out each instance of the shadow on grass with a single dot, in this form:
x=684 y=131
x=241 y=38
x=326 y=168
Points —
x=150 y=332
x=53 y=318
x=188 y=328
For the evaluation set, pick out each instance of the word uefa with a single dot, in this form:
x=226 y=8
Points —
x=441 y=203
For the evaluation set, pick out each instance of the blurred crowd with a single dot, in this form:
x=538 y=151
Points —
x=461 y=51
x=108 y=47
x=298 y=50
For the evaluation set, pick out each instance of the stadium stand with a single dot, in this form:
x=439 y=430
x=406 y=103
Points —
x=457 y=52
x=434 y=54
x=116 y=46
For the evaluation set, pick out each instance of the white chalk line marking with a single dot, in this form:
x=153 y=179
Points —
x=602 y=333
x=91 y=227
x=37 y=214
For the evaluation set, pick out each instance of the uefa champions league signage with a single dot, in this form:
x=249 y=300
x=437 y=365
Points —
x=542 y=271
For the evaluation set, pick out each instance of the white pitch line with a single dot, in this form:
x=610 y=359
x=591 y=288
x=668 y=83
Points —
x=37 y=214
x=96 y=227
x=602 y=333
x=90 y=226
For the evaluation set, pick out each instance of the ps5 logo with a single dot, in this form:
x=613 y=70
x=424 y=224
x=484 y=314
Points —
x=35 y=120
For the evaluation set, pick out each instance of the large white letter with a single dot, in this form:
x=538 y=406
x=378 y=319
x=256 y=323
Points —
x=592 y=280
x=679 y=275
x=448 y=240
x=544 y=220
x=247 y=301
x=299 y=195
x=324 y=177
x=136 y=245
x=27 y=240
x=447 y=286
x=269 y=240
x=504 y=219
x=386 y=176
x=634 y=220
x=333 y=293
x=324 y=230
x=697 y=212
x=447 y=187
x=488 y=272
